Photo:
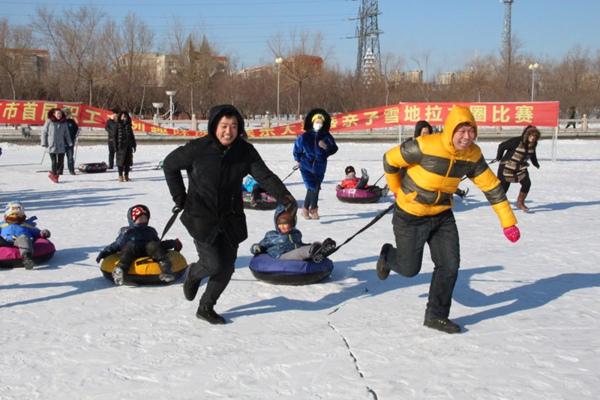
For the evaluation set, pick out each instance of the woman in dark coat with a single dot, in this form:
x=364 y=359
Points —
x=513 y=155
x=311 y=151
x=124 y=145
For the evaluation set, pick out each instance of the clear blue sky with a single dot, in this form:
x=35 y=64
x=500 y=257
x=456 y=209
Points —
x=450 y=32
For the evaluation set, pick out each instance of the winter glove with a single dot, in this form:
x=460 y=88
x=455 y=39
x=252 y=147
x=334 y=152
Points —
x=512 y=233
x=178 y=245
x=45 y=233
x=322 y=144
x=289 y=202
x=101 y=255
x=295 y=167
x=256 y=249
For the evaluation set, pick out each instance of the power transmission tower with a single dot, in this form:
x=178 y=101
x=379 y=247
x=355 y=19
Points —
x=506 y=34
x=368 y=33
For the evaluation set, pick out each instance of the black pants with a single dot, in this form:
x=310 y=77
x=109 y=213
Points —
x=312 y=198
x=131 y=251
x=124 y=170
x=440 y=232
x=571 y=124
x=70 y=160
x=525 y=182
x=217 y=262
x=111 y=155
x=58 y=162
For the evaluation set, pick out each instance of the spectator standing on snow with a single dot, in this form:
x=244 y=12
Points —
x=125 y=146
x=513 y=155
x=572 y=113
x=55 y=137
x=111 y=131
x=311 y=150
x=423 y=214
x=73 y=134
x=212 y=205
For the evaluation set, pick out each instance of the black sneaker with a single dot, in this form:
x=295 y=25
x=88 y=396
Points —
x=382 y=270
x=442 y=324
x=190 y=286
x=325 y=249
x=118 y=275
x=208 y=314
x=27 y=261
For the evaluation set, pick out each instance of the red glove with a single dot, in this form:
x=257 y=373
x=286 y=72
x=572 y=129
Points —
x=178 y=245
x=512 y=233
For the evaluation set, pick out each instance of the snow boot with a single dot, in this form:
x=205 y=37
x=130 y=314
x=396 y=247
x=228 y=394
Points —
x=208 y=314
x=442 y=324
x=118 y=274
x=382 y=269
x=121 y=178
x=320 y=252
x=305 y=213
x=314 y=213
x=53 y=177
x=166 y=274
x=521 y=202
x=126 y=177
x=190 y=285
x=27 y=261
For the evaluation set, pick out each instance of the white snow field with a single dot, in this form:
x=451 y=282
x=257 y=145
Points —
x=530 y=310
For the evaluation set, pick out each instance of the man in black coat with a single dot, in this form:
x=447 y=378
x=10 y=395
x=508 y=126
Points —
x=111 y=130
x=212 y=206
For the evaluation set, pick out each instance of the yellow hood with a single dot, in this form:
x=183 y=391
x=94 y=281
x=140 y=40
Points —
x=457 y=116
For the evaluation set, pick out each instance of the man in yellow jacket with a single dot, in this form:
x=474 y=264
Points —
x=433 y=167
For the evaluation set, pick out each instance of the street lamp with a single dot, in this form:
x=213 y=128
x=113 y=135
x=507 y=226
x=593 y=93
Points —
x=278 y=61
x=158 y=106
x=171 y=93
x=533 y=67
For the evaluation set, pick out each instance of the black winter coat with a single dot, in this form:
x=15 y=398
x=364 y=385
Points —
x=213 y=202
x=111 y=130
x=125 y=143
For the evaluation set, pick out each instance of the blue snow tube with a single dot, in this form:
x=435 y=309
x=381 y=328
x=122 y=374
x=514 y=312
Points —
x=289 y=272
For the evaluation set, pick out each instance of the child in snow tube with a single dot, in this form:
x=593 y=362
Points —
x=282 y=257
x=139 y=240
x=355 y=190
x=255 y=197
x=21 y=242
x=93 y=167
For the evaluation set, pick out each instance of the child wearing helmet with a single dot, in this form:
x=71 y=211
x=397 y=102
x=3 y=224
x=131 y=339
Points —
x=19 y=232
x=285 y=242
x=139 y=240
x=351 y=181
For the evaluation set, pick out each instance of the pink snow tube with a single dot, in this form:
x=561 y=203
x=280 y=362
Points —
x=10 y=257
x=370 y=195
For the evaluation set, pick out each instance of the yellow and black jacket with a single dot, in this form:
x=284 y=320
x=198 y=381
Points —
x=434 y=169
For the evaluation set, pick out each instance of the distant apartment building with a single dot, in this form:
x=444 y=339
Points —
x=292 y=63
x=415 y=76
x=29 y=62
x=161 y=67
x=445 y=78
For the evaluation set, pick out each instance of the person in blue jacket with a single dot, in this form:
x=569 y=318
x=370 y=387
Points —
x=139 y=240
x=311 y=151
x=18 y=231
x=285 y=242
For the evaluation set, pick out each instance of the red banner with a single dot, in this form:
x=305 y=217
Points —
x=486 y=114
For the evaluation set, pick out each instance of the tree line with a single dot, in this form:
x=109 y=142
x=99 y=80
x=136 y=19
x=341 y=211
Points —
x=97 y=60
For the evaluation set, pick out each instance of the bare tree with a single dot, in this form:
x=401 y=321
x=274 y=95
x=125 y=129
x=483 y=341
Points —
x=74 y=37
x=302 y=58
x=14 y=41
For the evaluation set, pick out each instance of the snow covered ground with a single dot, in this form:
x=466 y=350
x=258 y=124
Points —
x=529 y=310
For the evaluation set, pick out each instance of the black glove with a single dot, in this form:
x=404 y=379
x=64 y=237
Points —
x=101 y=255
x=290 y=204
x=256 y=249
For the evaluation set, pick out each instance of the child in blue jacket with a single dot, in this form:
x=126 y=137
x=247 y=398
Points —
x=20 y=232
x=139 y=240
x=285 y=242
